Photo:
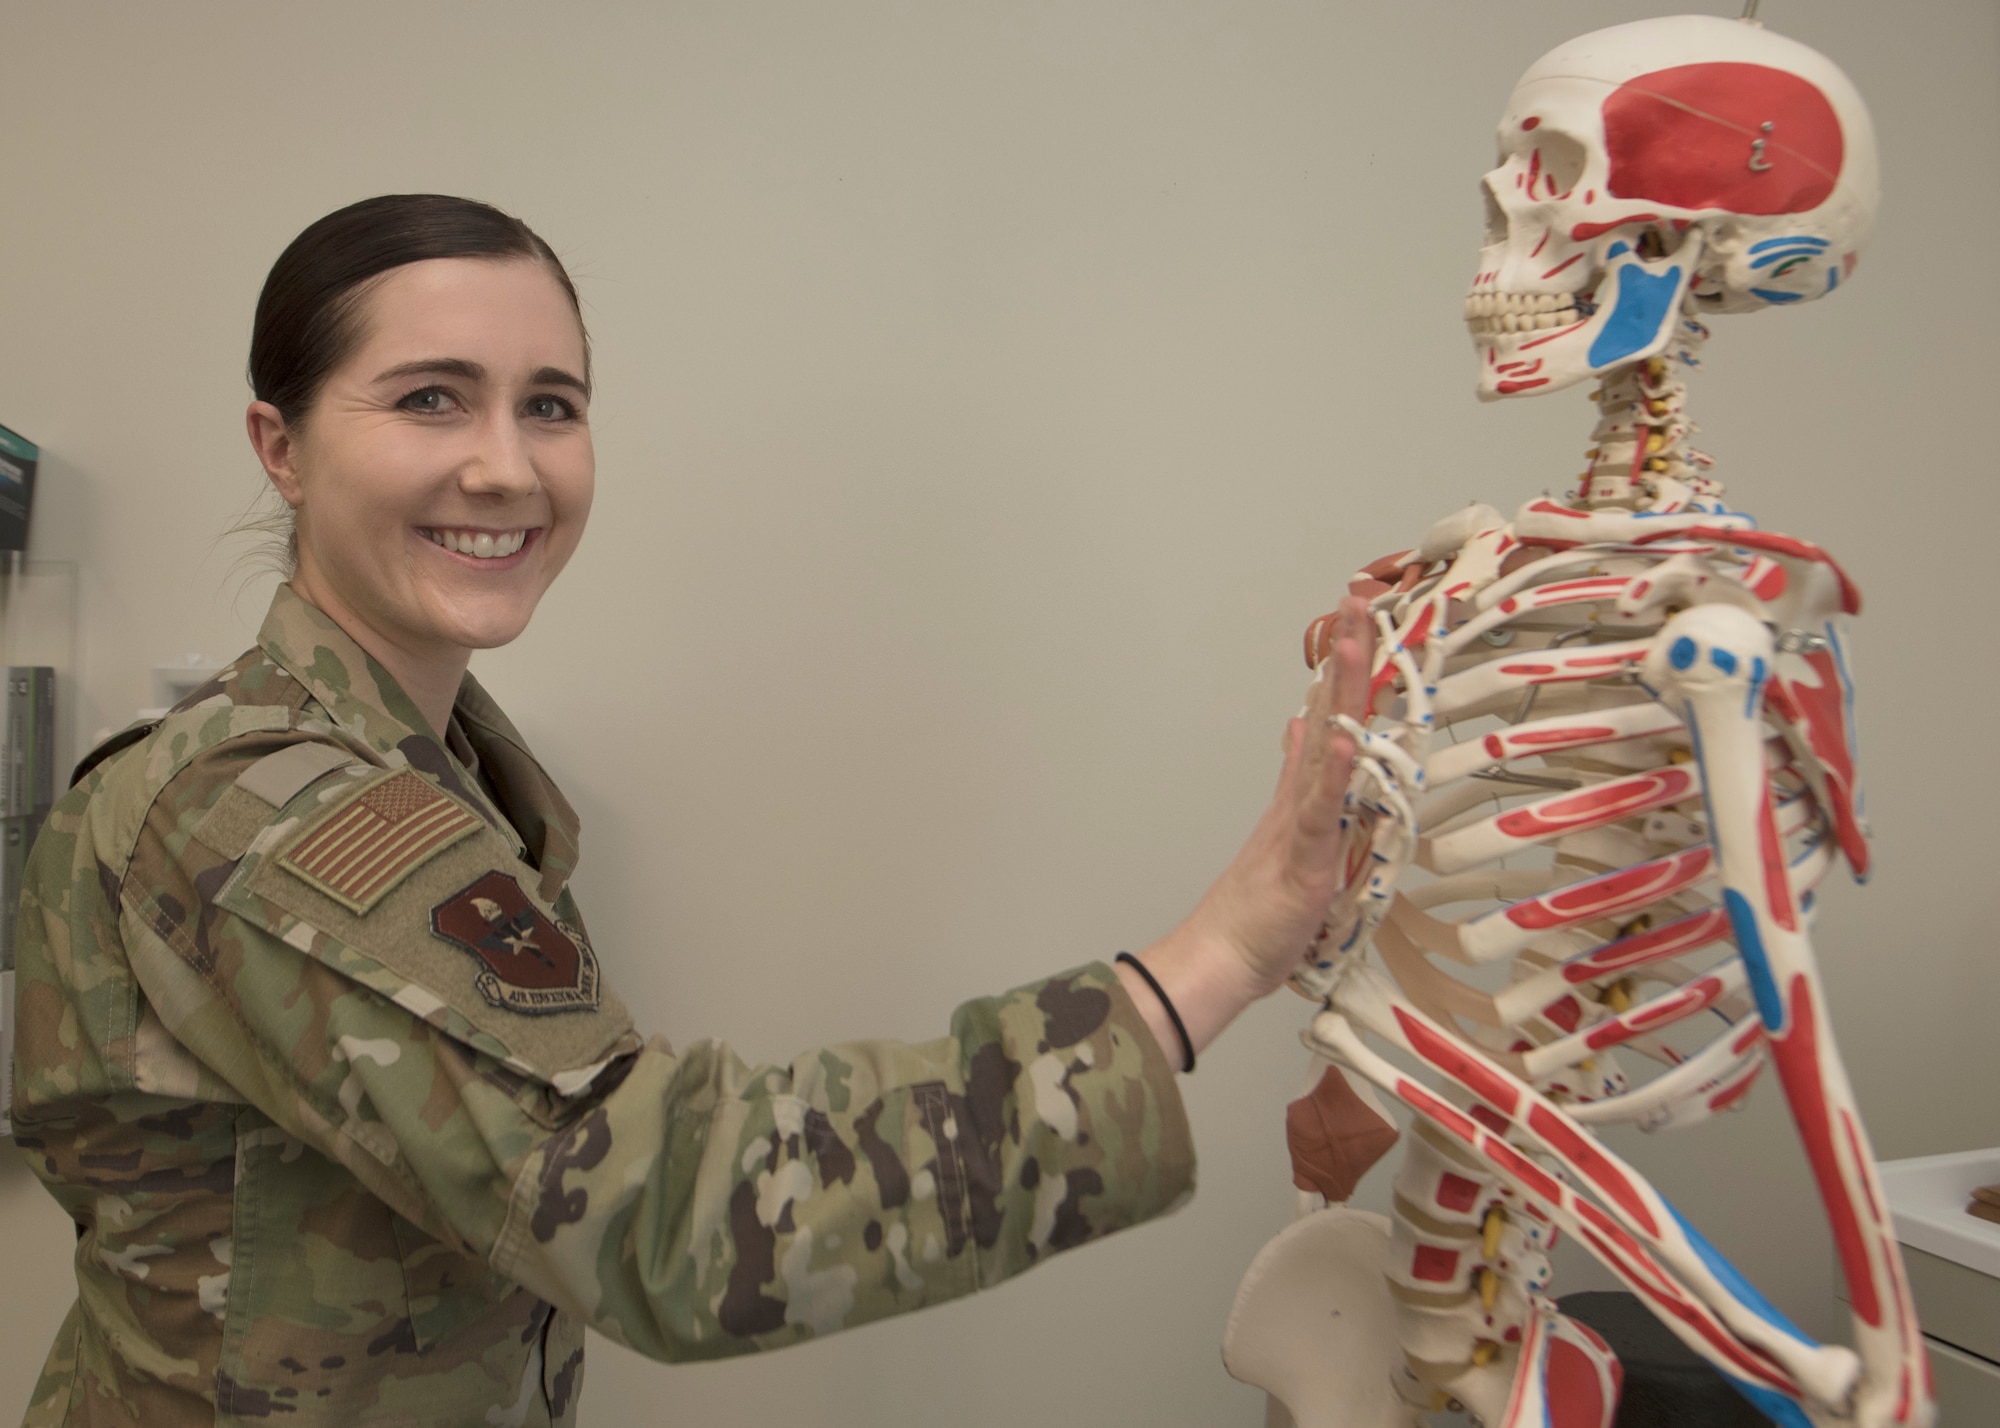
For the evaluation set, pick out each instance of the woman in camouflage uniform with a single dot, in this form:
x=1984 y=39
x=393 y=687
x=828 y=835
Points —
x=312 y=1044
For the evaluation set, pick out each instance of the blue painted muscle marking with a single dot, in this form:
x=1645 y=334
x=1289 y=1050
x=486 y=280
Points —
x=1773 y=295
x=1644 y=302
x=1681 y=656
x=1832 y=279
x=1763 y=987
x=1732 y=1279
x=1800 y=238
x=1723 y=660
x=1784 y=253
x=1619 y=249
x=1839 y=651
x=1757 y=674
x=1771 y=1403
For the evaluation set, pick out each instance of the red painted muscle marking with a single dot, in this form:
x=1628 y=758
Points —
x=1670 y=939
x=1519 y=1167
x=1820 y=712
x=1551 y=508
x=1797 y=1056
x=1668 y=1300
x=1433 y=1264
x=1584 y=232
x=1531 y=121
x=1598 y=805
x=1676 y=1006
x=1777 y=883
x=1460 y=1064
x=1683 y=137
x=1573 y=1390
x=1552 y=336
x=1547 y=233
x=1564 y=591
x=1723 y=1100
x=1561 y=738
x=1697 y=996
x=1491 y=1118
x=1867 y=1182
x=1527 y=669
x=1512 y=386
x=1457 y=1193
x=1608 y=894
x=1574 y=258
x=1771 y=541
x=1449 y=1117
x=1629 y=1249
x=1592 y=1163
x=1765 y=579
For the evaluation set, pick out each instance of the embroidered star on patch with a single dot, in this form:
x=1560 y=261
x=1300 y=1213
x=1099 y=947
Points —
x=378 y=839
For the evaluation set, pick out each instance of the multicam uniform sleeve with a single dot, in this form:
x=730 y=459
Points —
x=435 y=1025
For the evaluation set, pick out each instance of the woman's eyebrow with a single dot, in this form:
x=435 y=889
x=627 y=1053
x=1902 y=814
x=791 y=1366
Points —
x=475 y=372
x=451 y=366
x=557 y=377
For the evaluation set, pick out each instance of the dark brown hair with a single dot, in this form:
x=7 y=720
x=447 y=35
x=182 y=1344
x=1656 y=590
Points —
x=307 y=319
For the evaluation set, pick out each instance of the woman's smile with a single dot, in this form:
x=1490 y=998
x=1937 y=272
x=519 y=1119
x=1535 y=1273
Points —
x=486 y=549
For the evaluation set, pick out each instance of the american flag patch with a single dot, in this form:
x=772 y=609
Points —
x=378 y=839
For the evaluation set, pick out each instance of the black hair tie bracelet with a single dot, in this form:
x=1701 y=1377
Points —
x=1187 y=1043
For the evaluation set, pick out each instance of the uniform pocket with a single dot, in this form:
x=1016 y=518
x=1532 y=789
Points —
x=448 y=1290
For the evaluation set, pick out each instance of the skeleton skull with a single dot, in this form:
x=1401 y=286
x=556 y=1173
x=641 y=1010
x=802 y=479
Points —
x=1638 y=164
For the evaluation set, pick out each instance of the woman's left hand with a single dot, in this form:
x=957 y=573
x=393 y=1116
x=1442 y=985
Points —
x=1252 y=929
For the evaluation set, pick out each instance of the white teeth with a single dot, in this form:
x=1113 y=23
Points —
x=481 y=545
x=1493 y=313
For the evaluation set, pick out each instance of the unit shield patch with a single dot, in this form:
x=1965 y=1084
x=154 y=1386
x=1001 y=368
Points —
x=532 y=965
x=379 y=838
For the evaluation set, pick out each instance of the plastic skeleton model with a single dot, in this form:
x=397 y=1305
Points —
x=1653 y=694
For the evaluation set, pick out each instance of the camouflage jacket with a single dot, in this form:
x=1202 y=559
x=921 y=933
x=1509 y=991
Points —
x=313 y=1047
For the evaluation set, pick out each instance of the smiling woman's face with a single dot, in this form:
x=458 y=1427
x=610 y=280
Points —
x=444 y=473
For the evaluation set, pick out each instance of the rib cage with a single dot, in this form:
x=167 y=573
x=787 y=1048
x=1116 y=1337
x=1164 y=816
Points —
x=1516 y=759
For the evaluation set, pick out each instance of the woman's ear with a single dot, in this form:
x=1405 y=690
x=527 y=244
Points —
x=276 y=447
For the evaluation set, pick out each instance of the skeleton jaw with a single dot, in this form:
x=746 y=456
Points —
x=1536 y=340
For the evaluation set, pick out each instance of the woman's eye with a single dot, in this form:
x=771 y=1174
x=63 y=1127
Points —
x=550 y=409
x=426 y=399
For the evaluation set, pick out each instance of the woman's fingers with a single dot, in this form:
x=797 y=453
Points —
x=1353 y=657
x=1340 y=688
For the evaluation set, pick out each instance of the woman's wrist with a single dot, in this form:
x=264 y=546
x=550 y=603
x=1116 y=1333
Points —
x=1205 y=980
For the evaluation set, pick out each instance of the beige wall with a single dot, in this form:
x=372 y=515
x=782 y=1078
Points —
x=990 y=394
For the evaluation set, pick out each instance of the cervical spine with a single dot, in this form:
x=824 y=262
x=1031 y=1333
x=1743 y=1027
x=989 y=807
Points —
x=1639 y=450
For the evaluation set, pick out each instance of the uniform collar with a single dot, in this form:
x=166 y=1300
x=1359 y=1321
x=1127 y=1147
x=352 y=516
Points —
x=366 y=704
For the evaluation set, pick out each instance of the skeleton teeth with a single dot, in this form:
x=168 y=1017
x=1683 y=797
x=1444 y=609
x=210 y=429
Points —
x=481 y=545
x=1491 y=313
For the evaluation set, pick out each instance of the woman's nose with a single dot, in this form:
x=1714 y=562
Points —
x=503 y=465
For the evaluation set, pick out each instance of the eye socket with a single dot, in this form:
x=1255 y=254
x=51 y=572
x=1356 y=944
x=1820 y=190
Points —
x=1563 y=160
x=1496 y=217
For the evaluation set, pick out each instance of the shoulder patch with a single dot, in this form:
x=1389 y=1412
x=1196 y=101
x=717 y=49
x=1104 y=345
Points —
x=383 y=832
x=528 y=963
